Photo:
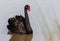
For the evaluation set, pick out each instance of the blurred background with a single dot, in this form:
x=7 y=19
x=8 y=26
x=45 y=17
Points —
x=44 y=18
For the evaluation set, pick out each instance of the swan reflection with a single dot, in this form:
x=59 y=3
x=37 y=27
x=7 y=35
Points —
x=20 y=37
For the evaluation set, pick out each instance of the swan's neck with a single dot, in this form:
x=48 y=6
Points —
x=27 y=17
x=26 y=14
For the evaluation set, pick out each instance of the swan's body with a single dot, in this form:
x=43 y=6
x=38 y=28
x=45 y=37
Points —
x=19 y=24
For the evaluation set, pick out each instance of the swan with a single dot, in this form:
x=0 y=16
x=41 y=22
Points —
x=19 y=24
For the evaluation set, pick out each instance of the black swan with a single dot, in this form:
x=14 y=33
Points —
x=19 y=24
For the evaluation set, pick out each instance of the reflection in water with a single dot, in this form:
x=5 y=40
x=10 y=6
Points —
x=20 y=37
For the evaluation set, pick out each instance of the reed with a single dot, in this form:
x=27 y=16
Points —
x=46 y=26
x=57 y=28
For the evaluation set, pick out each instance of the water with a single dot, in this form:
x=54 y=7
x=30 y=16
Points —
x=20 y=37
x=16 y=37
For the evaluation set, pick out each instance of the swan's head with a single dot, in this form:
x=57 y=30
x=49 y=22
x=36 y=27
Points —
x=27 y=8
